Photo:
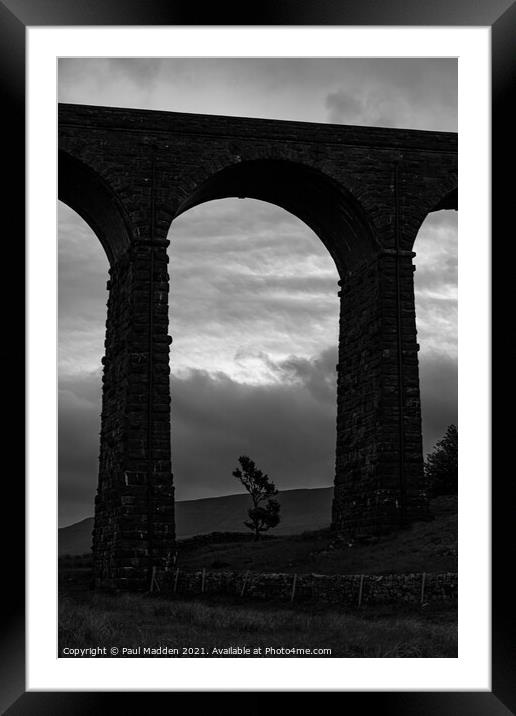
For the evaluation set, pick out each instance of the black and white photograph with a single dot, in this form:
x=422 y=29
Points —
x=254 y=320
x=257 y=348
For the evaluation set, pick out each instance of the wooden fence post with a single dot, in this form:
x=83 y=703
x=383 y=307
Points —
x=243 y=585
x=423 y=582
x=203 y=580
x=360 y=589
x=293 y=588
x=154 y=581
x=175 y=580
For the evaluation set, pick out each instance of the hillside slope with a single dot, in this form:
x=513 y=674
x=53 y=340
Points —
x=301 y=510
x=422 y=547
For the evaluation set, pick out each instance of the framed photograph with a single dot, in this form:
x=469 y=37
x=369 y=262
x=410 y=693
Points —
x=277 y=175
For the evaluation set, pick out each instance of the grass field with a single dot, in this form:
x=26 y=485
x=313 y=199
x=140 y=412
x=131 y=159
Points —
x=88 y=619
x=136 y=620
x=423 y=547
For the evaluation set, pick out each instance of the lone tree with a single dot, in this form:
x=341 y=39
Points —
x=261 y=516
x=441 y=465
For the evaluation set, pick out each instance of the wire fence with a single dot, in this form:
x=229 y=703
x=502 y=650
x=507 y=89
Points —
x=350 y=589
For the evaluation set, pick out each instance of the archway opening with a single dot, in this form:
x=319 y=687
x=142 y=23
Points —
x=82 y=275
x=254 y=316
x=327 y=207
x=436 y=288
x=86 y=192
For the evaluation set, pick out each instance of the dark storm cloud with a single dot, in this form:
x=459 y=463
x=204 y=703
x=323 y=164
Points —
x=287 y=427
x=78 y=443
x=317 y=375
x=439 y=395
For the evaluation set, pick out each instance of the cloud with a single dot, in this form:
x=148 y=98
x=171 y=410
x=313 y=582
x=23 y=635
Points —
x=380 y=107
x=264 y=283
x=255 y=321
x=435 y=283
x=277 y=88
x=415 y=95
x=243 y=275
x=317 y=374
x=254 y=308
x=438 y=377
x=79 y=405
x=82 y=295
x=286 y=426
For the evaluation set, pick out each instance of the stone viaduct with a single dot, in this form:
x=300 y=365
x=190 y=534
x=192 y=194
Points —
x=364 y=191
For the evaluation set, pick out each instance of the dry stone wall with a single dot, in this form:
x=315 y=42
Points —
x=346 y=590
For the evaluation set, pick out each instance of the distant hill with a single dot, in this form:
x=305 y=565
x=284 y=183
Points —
x=301 y=510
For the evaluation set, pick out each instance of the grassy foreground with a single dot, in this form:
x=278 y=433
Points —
x=422 y=547
x=135 y=620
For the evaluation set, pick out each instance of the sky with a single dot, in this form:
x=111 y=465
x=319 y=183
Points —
x=254 y=307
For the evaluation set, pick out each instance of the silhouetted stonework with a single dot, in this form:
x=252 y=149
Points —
x=134 y=506
x=364 y=191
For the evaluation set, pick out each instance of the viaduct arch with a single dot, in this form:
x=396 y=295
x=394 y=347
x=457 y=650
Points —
x=364 y=191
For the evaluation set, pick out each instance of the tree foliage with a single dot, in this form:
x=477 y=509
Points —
x=441 y=465
x=264 y=514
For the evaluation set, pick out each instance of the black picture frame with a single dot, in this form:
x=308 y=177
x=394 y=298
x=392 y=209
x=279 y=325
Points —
x=500 y=16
